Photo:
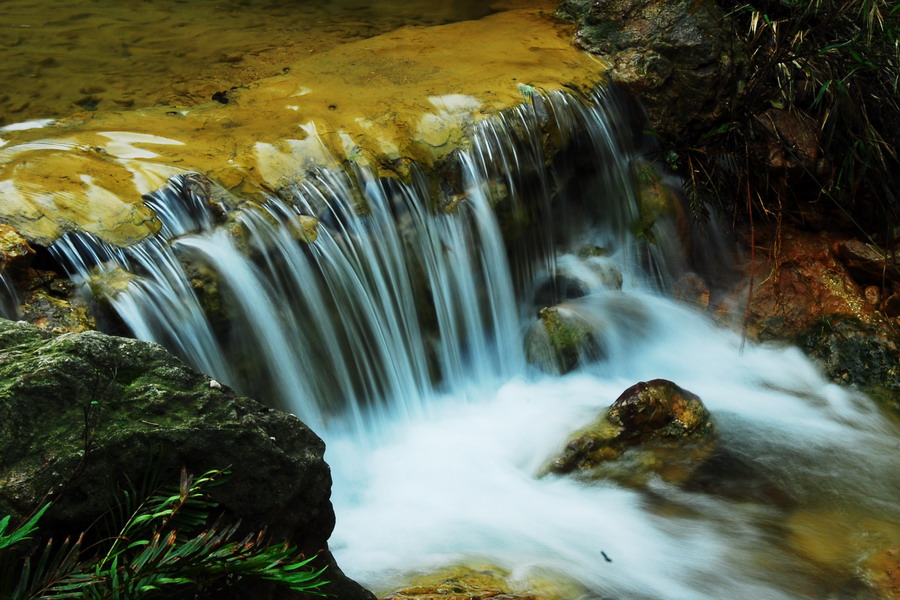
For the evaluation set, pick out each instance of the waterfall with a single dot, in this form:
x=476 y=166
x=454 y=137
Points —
x=403 y=294
x=392 y=315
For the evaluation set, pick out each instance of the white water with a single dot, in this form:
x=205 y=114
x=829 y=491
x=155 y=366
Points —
x=398 y=336
x=461 y=485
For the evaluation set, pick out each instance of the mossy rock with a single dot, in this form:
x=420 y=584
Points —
x=82 y=413
x=559 y=341
x=654 y=427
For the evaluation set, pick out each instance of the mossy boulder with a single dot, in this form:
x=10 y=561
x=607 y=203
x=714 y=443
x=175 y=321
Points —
x=652 y=427
x=81 y=413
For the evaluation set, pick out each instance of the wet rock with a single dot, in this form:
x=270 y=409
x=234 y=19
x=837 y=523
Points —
x=559 y=341
x=597 y=260
x=891 y=306
x=413 y=95
x=81 y=412
x=307 y=228
x=656 y=202
x=804 y=294
x=692 y=289
x=51 y=302
x=653 y=427
x=109 y=281
x=678 y=57
x=659 y=409
x=560 y=288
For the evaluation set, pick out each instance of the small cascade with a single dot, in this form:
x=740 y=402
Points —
x=354 y=295
x=9 y=299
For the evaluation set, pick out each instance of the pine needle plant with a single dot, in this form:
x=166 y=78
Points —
x=165 y=547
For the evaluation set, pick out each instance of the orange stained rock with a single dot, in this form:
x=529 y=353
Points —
x=407 y=94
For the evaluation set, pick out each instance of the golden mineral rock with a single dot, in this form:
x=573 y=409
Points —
x=13 y=247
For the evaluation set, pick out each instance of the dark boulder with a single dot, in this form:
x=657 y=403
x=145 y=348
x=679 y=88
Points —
x=81 y=412
x=678 y=57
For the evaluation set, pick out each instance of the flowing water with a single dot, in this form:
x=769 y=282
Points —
x=396 y=327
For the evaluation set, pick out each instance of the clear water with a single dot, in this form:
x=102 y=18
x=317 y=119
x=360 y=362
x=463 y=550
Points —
x=399 y=334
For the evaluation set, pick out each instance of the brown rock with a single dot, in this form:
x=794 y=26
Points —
x=872 y=294
x=799 y=282
x=658 y=408
x=51 y=303
x=891 y=306
x=868 y=263
x=415 y=92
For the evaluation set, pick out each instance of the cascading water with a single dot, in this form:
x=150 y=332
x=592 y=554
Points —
x=395 y=328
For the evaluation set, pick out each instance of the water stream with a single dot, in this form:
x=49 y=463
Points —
x=399 y=335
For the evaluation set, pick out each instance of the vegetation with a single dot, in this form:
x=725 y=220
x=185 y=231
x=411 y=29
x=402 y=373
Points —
x=814 y=131
x=161 y=545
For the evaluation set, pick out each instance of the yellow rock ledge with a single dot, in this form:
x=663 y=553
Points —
x=408 y=94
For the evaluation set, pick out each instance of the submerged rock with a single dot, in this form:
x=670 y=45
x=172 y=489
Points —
x=82 y=413
x=483 y=583
x=652 y=427
x=854 y=550
x=881 y=572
